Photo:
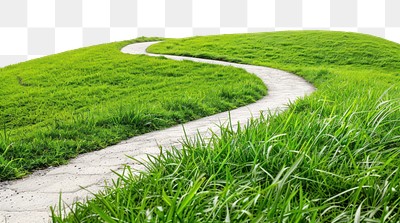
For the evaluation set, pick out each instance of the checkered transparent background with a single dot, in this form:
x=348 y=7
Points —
x=34 y=28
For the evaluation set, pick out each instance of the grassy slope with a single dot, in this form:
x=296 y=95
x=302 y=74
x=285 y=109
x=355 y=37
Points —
x=53 y=108
x=332 y=157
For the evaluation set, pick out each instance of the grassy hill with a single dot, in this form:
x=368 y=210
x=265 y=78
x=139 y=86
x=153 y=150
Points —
x=56 y=107
x=332 y=157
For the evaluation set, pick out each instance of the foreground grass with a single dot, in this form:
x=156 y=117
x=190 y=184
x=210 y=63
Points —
x=332 y=157
x=54 y=108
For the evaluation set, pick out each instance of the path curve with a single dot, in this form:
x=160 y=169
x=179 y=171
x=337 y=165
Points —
x=29 y=199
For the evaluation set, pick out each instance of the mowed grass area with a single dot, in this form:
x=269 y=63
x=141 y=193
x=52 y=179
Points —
x=331 y=157
x=54 y=108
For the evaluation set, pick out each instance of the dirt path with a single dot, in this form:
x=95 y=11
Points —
x=29 y=199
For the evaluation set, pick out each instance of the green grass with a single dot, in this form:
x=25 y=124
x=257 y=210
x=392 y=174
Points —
x=54 y=108
x=331 y=157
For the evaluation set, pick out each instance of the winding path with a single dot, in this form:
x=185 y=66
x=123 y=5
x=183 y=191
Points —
x=29 y=199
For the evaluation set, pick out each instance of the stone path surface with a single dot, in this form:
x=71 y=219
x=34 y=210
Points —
x=29 y=199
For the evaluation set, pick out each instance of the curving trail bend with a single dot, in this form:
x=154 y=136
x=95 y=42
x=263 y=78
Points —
x=29 y=199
